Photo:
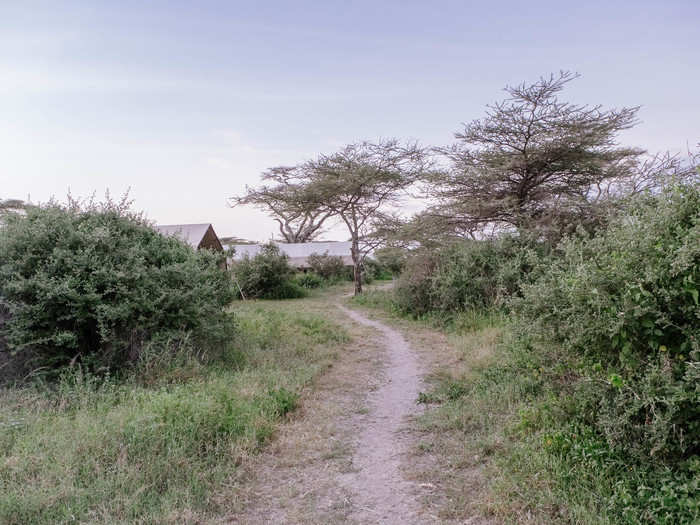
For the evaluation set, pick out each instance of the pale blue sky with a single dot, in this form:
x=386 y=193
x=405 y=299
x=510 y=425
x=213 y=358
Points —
x=186 y=102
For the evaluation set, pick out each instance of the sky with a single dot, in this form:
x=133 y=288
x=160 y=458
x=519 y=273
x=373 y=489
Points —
x=183 y=104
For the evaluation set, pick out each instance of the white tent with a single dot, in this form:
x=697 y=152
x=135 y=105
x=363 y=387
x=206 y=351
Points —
x=298 y=253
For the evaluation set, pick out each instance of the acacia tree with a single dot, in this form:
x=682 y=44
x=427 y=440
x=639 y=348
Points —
x=358 y=184
x=8 y=206
x=532 y=162
x=283 y=199
x=426 y=229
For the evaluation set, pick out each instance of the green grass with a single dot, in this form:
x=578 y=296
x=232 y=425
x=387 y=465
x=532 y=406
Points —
x=455 y=322
x=158 y=447
x=373 y=298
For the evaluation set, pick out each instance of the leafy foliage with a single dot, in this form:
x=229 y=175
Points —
x=391 y=259
x=267 y=275
x=96 y=283
x=596 y=386
x=534 y=162
x=327 y=266
x=372 y=269
x=309 y=280
x=465 y=276
x=627 y=300
x=285 y=202
x=357 y=185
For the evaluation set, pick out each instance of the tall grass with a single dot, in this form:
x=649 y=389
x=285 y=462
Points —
x=452 y=321
x=159 y=450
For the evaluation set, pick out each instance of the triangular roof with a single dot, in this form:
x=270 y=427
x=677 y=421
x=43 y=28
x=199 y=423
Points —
x=192 y=234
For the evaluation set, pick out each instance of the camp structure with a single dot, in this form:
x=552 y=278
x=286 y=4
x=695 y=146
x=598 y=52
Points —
x=298 y=253
x=199 y=236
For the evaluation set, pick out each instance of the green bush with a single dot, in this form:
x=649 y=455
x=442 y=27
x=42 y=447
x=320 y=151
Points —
x=627 y=301
x=414 y=287
x=97 y=283
x=287 y=290
x=372 y=269
x=391 y=260
x=466 y=276
x=267 y=275
x=309 y=280
x=330 y=267
x=367 y=272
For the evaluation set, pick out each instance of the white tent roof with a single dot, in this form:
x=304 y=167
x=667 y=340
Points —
x=298 y=252
x=251 y=250
x=305 y=249
x=192 y=234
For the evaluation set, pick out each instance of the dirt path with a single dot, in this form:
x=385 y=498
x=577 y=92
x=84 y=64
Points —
x=351 y=453
x=381 y=492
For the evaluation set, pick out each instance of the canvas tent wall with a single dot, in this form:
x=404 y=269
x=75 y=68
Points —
x=298 y=253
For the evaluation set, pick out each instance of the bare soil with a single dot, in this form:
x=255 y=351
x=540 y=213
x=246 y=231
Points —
x=380 y=491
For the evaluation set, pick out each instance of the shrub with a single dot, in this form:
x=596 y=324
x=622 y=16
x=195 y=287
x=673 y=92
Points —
x=466 y=276
x=367 y=272
x=267 y=275
x=626 y=301
x=309 y=280
x=413 y=288
x=372 y=269
x=327 y=266
x=4 y=317
x=287 y=290
x=391 y=260
x=96 y=283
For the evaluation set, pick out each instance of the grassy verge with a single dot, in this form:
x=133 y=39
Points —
x=516 y=415
x=457 y=323
x=155 y=448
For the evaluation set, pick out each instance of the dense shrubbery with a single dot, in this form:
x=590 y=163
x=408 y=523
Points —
x=329 y=267
x=372 y=269
x=473 y=274
x=309 y=280
x=267 y=275
x=627 y=302
x=98 y=285
x=391 y=260
x=603 y=357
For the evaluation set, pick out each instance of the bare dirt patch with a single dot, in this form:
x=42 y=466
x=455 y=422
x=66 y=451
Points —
x=380 y=491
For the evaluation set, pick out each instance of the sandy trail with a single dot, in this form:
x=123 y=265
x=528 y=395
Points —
x=379 y=491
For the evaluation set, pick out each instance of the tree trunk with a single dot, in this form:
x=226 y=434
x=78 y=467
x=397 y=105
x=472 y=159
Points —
x=356 y=260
